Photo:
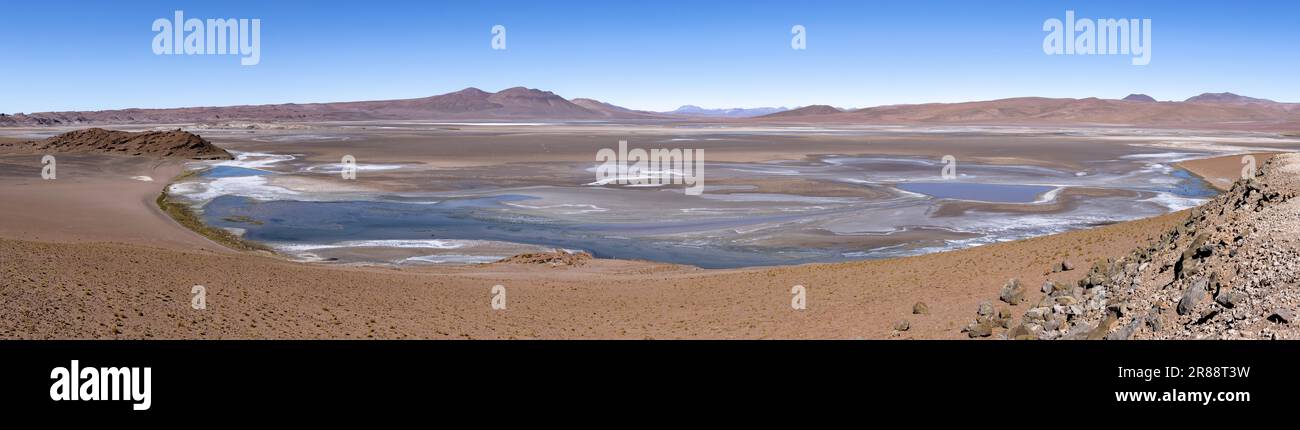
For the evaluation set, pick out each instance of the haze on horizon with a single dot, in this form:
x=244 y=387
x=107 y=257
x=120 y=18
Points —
x=656 y=57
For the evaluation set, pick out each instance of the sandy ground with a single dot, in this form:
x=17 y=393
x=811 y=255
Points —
x=93 y=198
x=1221 y=172
x=89 y=256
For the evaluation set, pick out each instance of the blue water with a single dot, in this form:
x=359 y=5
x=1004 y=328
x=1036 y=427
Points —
x=231 y=172
x=480 y=219
x=998 y=193
x=1189 y=186
x=487 y=218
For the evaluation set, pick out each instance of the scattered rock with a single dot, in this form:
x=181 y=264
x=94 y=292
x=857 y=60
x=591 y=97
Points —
x=1227 y=299
x=920 y=309
x=1102 y=329
x=1022 y=332
x=1282 y=316
x=1192 y=296
x=1004 y=318
x=980 y=329
x=1012 y=292
x=557 y=257
x=902 y=325
x=1037 y=314
x=1126 y=332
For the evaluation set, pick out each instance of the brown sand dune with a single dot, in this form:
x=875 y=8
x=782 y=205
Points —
x=167 y=144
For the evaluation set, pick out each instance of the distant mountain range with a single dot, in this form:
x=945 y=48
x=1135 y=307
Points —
x=1215 y=110
x=516 y=103
x=692 y=110
x=519 y=104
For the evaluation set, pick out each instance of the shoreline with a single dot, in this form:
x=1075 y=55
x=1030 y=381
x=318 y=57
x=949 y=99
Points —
x=184 y=215
x=1218 y=171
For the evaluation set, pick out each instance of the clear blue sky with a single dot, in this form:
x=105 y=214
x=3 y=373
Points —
x=657 y=55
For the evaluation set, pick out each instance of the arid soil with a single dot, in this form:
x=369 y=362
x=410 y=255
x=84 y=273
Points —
x=1222 y=172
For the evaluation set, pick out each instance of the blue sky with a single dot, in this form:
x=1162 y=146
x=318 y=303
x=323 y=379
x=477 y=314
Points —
x=652 y=55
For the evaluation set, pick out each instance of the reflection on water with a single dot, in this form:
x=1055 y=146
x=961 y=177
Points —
x=231 y=172
x=999 y=193
x=330 y=222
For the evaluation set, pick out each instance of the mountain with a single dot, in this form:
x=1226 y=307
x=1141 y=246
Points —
x=804 y=111
x=1221 y=110
x=516 y=103
x=1225 y=98
x=613 y=111
x=167 y=144
x=1062 y=111
x=692 y=110
x=1139 y=98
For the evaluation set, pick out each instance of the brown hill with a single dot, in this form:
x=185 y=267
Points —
x=614 y=111
x=1139 y=98
x=167 y=144
x=1089 y=111
x=1219 y=110
x=1225 y=98
x=470 y=103
x=810 y=110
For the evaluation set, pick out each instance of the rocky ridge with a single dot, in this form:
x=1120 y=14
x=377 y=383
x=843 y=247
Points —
x=1231 y=270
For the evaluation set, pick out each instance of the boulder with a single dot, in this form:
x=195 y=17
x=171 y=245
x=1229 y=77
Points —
x=1227 y=299
x=920 y=309
x=1102 y=329
x=1282 y=316
x=1012 y=292
x=980 y=329
x=1037 y=314
x=1021 y=332
x=1192 y=296
x=902 y=325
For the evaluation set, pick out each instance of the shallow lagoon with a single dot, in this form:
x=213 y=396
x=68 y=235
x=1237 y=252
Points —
x=997 y=193
x=721 y=229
